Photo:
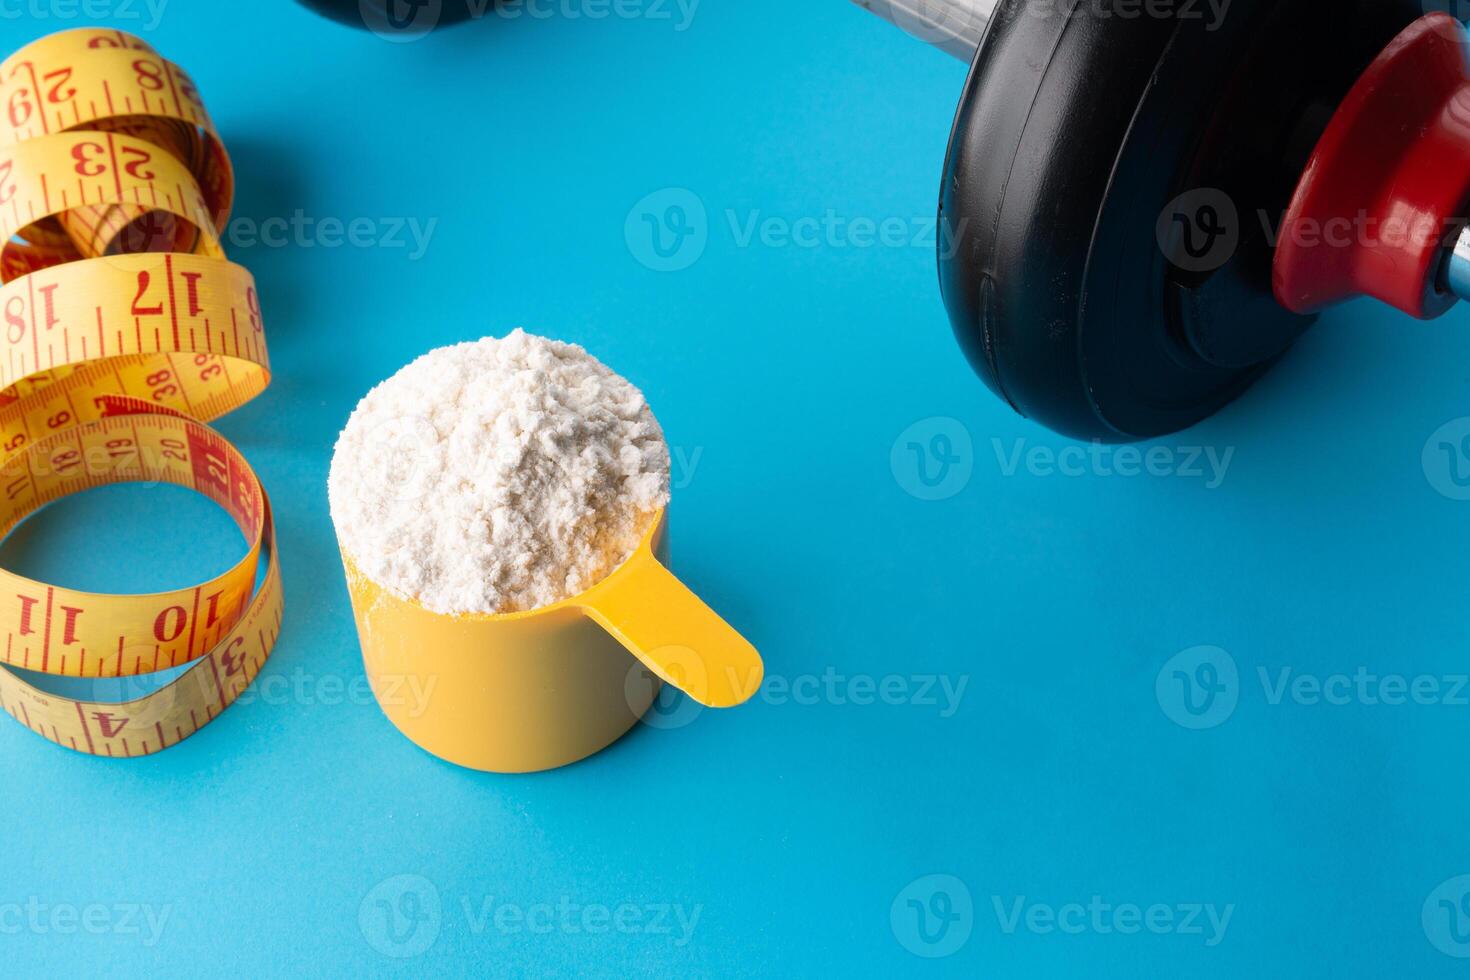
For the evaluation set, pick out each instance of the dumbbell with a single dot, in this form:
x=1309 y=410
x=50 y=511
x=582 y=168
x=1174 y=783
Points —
x=399 y=18
x=1146 y=202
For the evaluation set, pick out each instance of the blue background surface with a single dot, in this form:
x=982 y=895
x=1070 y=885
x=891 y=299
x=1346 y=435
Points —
x=799 y=827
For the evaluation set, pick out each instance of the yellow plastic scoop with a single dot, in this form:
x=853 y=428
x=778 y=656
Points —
x=533 y=690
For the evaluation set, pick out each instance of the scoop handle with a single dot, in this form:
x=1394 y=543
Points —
x=670 y=629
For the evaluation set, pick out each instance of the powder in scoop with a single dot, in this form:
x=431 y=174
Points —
x=497 y=476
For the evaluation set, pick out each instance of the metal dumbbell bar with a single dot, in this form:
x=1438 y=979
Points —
x=954 y=26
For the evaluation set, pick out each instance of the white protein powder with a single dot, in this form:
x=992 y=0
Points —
x=497 y=475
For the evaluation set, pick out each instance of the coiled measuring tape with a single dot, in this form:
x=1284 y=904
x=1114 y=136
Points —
x=123 y=329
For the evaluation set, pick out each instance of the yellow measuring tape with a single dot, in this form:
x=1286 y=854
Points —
x=122 y=329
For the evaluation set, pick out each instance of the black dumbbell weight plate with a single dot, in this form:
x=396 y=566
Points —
x=1112 y=191
x=405 y=17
